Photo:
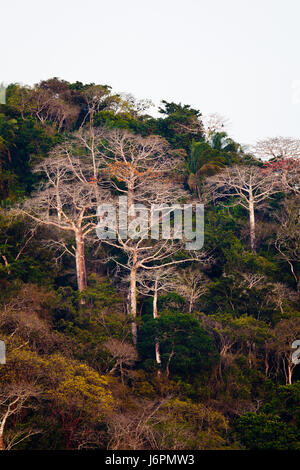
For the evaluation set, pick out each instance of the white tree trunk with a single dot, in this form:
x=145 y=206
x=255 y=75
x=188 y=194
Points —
x=252 y=223
x=133 y=303
x=80 y=261
x=155 y=315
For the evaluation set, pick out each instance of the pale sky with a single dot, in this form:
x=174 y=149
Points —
x=240 y=58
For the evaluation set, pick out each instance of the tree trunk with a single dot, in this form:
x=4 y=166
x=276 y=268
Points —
x=157 y=355
x=133 y=291
x=155 y=295
x=252 y=223
x=155 y=315
x=2 y=445
x=290 y=373
x=80 y=263
x=2 y=426
x=133 y=302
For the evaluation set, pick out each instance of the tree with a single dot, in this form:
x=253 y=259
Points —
x=241 y=334
x=288 y=170
x=277 y=148
x=191 y=284
x=48 y=101
x=154 y=282
x=185 y=346
x=180 y=125
x=209 y=158
x=214 y=123
x=67 y=202
x=287 y=241
x=122 y=353
x=266 y=432
x=139 y=168
x=249 y=186
x=285 y=333
x=15 y=398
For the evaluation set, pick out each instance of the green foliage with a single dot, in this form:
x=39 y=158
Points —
x=265 y=432
x=185 y=347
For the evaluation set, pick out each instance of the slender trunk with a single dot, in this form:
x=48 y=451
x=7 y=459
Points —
x=133 y=302
x=80 y=263
x=267 y=364
x=133 y=290
x=157 y=355
x=122 y=373
x=58 y=204
x=252 y=223
x=2 y=445
x=6 y=264
x=155 y=315
x=290 y=373
x=294 y=274
x=168 y=363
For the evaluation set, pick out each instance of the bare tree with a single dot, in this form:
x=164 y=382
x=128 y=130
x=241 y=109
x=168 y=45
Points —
x=13 y=399
x=135 y=429
x=279 y=294
x=285 y=333
x=191 y=284
x=129 y=104
x=213 y=123
x=124 y=354
x=153 y=282
x=251 y=280
x=249 y=185
x=277 y=148
x=67 y=202
x=139 y=169
x=287 y=240
x=288 y=170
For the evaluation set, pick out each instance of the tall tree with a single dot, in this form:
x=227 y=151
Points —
x=139 y=169
x=249 y=186
x=66 y=201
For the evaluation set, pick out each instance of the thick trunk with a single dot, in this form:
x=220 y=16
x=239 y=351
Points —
x=80 y=262
x=252 y=224
x=2 y=426
x=2 y=445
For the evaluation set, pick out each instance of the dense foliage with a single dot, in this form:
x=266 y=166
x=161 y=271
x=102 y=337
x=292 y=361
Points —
x=211 y=365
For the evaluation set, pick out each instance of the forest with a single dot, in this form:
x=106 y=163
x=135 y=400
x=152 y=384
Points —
x=142 y=344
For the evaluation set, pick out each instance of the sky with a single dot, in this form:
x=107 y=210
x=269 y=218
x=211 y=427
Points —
x=239 y=58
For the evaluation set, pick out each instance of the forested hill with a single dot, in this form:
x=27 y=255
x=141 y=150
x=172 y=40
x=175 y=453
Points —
x=145 y=344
